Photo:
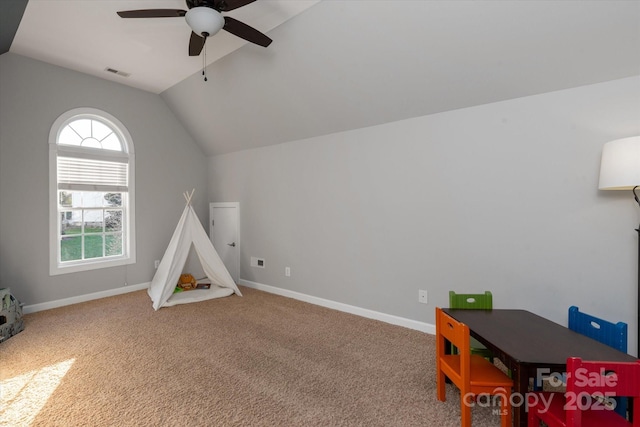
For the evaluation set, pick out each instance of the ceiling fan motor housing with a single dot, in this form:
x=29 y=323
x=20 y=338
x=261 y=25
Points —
x=204 y=21
x=208 y=3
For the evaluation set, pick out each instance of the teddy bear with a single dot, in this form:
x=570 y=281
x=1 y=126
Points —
x=187 y=282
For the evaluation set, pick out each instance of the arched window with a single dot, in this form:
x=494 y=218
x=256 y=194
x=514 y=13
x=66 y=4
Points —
x=91 y=173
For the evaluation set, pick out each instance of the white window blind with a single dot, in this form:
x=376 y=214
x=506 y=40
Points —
x=82 y=174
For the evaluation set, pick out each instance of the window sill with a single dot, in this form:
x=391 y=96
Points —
x=89 y=265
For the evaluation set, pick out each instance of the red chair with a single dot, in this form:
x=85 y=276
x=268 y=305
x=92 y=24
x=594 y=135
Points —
x=471 y=373
x=588 y=385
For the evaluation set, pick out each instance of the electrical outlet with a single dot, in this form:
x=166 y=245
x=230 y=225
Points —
x=422 y=296
x=287 y=271
x=156 y=263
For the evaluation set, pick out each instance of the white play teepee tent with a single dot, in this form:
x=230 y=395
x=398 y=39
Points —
x=189 y=232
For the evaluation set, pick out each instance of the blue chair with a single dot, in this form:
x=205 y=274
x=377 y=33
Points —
x=612 y=334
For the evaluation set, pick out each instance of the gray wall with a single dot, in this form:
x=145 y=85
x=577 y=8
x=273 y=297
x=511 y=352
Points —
x=500 y=197
x=168 y=162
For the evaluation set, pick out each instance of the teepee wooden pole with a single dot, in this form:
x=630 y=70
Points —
x=188 y=196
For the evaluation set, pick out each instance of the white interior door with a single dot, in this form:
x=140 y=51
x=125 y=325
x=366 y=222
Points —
x=224 y=230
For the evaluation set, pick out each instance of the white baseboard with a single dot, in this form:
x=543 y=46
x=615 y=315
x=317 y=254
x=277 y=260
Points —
x=370 y=314
x=83 y=298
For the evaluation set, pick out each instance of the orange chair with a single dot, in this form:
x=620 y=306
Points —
x=588 y=384
x=472 y=374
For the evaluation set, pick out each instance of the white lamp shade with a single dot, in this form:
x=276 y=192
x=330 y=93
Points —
x=204 y=20
x=620 y=165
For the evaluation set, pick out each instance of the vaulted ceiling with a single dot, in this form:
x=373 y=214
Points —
x=337 y=65
x=90 y=37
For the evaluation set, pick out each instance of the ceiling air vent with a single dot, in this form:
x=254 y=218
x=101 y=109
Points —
x=118 y=72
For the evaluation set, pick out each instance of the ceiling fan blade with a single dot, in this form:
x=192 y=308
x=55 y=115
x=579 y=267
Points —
x=196 y=43
x=152 y=13
x=227 y=5
x=246 y=32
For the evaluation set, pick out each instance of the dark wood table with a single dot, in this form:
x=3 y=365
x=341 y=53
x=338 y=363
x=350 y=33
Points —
x=526 y=342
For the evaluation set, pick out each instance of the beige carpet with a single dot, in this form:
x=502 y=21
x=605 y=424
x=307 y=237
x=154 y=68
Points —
x=259 y=360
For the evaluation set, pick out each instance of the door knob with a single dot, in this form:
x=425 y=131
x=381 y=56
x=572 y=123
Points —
x=232 y=244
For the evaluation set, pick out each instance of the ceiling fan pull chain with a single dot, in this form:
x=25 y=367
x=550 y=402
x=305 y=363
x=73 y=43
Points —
x=204 y=63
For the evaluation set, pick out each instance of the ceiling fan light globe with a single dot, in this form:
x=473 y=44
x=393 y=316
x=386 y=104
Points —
x=204 y=20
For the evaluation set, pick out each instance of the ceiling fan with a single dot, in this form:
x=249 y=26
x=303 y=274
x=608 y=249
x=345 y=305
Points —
x=205 y=20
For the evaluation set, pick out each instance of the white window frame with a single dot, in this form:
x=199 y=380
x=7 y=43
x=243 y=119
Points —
x=129 y=244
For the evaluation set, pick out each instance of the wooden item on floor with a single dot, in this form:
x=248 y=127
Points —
x=528 y=343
